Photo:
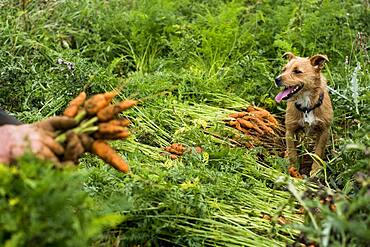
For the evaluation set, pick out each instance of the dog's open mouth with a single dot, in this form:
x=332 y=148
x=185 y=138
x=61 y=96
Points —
x=288 y=92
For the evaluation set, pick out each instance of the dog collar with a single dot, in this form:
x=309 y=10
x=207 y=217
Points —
x=307 y=110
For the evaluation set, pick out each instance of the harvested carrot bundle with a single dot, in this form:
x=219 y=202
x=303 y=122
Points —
x=97 y=121
x=256 y=119
x=110 y=112
x=175 y=150
x=259 y=128
x=74 y=105
x=109 y=155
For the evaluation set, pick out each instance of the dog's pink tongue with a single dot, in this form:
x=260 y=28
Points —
x=283 y=94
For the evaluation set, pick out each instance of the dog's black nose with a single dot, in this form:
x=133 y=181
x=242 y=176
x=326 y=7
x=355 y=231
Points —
x=278 y=81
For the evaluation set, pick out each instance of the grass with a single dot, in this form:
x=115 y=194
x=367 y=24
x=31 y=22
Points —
x=193 y=63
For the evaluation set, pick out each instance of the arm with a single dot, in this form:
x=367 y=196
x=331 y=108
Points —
x=7 y=119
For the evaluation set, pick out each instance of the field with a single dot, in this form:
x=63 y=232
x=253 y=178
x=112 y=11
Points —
x=191 y=64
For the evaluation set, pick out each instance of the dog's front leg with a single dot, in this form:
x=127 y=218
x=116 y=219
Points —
x=291 y=146
x=321 y=140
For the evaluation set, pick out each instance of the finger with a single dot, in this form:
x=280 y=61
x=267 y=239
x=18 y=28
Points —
x=53 y=145
x=56 y=123
x=47 y=154
x=74 y=147
x=86 y=141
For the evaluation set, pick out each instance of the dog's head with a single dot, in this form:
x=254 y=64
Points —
x=299 y=75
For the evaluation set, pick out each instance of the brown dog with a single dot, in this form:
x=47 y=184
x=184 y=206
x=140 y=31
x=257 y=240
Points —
x=308 y=103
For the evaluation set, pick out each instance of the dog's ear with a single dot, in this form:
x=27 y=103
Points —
x=318 y=60
x=288 y=55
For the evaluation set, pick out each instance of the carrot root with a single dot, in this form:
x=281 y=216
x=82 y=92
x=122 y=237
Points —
x=120 y=122
x=106 y=128
x=109 y=112
x=109 y=155
x=74 y=105
x=116 y=136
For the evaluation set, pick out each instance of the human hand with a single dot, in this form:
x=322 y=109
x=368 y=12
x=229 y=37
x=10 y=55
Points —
x=38 y=138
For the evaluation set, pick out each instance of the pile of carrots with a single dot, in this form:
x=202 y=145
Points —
x=98 y=118
x=175 y=150
x=254 y=121
x=257 y=123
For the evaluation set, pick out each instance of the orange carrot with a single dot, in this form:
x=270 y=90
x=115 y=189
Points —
x=173 y=156
x=109 y=96
x=175 y=151
x=238 y=127
x=238 y=114
x=175 y=148
x=199 y=150
x=255 y=108
x=170 y=149
x=249 y=125
x=95 y=103
x=71 y=111
x=262 y=113
x=260 y=124
x=114 y=136
x=272 y=120
x=233 y=123
x=98 y=102
x=106 y=128
x=109 y=155
x=123 y=134
x=178 y=147
x=120 y=122
x=110 y=112
x=73 y=106
x=251 y=108
x=259 y=114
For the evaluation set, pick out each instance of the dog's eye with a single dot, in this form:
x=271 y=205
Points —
x=297 y=71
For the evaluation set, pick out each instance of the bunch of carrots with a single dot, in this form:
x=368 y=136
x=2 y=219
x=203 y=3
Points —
x=254 y=121
x=175 y=150
x=259 y=125
x=98 y=118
